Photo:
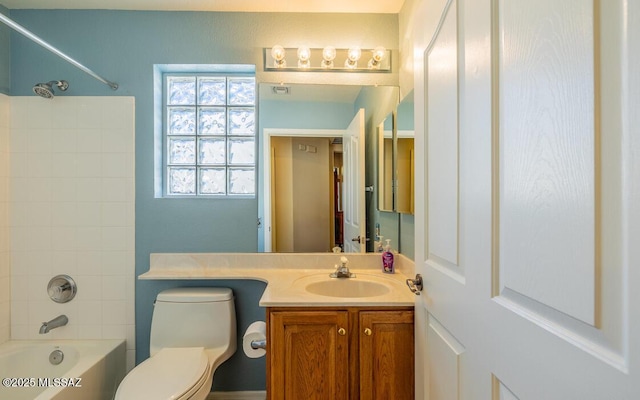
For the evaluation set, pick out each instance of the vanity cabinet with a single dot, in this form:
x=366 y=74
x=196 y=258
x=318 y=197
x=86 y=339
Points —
x=340 y=353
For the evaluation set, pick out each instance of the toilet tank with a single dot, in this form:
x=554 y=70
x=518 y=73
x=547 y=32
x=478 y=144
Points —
x=193 y=317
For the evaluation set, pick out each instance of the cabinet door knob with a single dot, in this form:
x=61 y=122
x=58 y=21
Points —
x=367 y=331
x=342 y=331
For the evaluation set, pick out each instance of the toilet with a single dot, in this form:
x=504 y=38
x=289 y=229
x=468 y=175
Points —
x=193 y=331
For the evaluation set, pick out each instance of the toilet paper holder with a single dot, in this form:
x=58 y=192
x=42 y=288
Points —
x=259 y=344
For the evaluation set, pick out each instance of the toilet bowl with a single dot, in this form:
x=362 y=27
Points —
x=193 y=331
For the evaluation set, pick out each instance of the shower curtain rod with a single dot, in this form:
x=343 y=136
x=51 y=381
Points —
x=12 y=24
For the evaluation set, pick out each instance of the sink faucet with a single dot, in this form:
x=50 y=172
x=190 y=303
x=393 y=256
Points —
x=57 y=322
x=342 y=271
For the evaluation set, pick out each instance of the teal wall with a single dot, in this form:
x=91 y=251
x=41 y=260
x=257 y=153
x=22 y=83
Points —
x=123 y=46
x=5 y=55
x=407 y=228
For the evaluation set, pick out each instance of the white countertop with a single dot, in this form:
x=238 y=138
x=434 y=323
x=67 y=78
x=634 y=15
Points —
x=286 y=275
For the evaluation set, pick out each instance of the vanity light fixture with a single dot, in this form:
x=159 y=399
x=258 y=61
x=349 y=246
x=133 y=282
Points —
x=327 y=59
x=278 y=53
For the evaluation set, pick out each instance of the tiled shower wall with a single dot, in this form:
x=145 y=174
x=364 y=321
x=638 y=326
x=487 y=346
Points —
x=5 y=277
x=72 y=212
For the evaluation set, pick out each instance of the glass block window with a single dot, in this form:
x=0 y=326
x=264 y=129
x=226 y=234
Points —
x=210 y=135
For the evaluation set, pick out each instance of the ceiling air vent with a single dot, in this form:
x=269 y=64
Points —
x=281 y=90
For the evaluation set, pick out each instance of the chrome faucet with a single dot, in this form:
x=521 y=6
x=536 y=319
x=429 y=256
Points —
x=342 y=271
x=60 y=320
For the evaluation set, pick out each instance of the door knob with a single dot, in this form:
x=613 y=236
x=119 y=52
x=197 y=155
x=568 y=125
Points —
x=342 y=331
x=367 y=331
x=415 y=285
x=359 y=239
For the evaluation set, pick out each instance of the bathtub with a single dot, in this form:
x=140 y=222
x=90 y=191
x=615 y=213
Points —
x=87 y=369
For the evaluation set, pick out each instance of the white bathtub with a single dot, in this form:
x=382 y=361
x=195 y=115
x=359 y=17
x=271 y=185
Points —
x=90 y=369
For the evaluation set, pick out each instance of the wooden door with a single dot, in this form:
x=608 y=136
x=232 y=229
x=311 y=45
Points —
x=528 y=171
x=355 y=212
x=308 y=356
x=386 y=355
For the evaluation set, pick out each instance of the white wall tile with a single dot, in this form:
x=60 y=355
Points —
x=89 y=113
x=19 y=165
x=39 y=165
x=65 y=116
x=89 y=238
x=64 y=189
x=89 y=141
x=90 y=263
x=63 y=262
x=88 y=165
x=116 y=141
x=90 y=312
x=64 y=141
x=64 y=214
x=114 y=312
x=114 y=287
x=39 y=141
x=30 y=214
x=114 y=238
x=116 y=214
x=89 y=331
x=64 y=238
x=89 y=213
x=89 y=287
x=116 y=263
x=19 y=139
x=89 y=189
x=117 y=189
x=64 y=165
x=71 y=187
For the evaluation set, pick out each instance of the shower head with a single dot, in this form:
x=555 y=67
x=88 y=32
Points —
x=46 y=89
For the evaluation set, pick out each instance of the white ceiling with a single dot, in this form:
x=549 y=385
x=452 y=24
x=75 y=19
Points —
x=312 y=6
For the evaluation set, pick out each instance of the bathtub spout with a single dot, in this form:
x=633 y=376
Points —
x=57 y=322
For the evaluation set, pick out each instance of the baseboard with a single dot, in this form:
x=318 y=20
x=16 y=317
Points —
x=255 y=395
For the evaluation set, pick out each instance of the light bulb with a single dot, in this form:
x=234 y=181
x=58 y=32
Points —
x=278 y=53
x=304 y=57
x=353 y=55
x=377 y=56
x=328 y=55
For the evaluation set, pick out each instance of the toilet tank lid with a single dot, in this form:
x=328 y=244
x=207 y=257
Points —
x=195 y=295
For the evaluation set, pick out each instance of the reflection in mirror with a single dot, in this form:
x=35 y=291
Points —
x=385 y=164
x=301 y=128
x=404 y=201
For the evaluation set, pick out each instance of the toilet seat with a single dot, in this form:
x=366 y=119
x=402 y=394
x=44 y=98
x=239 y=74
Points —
x=173 y=373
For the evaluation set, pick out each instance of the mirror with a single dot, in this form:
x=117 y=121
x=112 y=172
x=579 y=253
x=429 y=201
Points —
x=301 y=127
x=405 y=133
x=385 y=136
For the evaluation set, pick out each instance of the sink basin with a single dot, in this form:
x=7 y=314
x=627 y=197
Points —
x=347 y=287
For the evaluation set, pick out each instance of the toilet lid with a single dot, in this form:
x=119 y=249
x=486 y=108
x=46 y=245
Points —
x=167 y=375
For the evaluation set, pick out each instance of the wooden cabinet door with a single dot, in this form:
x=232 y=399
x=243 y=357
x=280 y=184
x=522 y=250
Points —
x=308 y=355
x=386 y=355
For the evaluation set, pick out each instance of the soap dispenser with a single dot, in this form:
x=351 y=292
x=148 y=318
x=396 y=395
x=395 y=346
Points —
x=387 y=259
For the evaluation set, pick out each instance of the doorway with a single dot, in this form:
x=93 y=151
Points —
x=302 y=188
x=305 y=193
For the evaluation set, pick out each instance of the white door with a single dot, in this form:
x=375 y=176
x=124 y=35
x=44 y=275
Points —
x=353 y=186
x=528 y=201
